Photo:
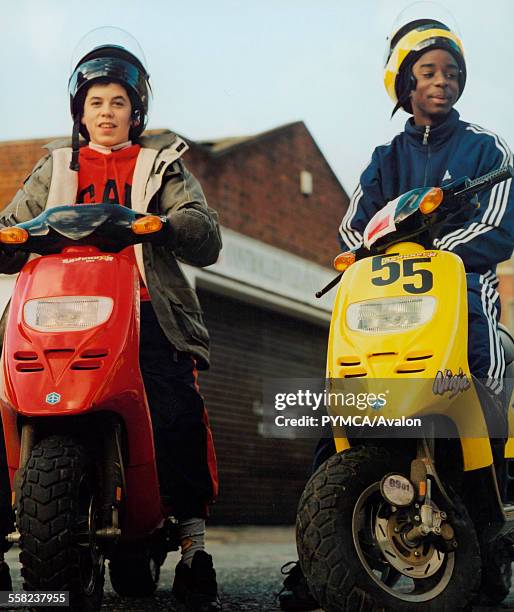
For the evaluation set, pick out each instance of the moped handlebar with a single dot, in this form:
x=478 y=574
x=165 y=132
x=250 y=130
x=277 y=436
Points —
x=487 y=181
x=110 y=227
x=454 y=197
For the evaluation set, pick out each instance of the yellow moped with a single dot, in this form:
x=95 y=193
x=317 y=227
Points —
x=420 y=522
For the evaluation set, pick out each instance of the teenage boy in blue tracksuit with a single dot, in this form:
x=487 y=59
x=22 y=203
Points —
x=436 y=147
x=425 y=75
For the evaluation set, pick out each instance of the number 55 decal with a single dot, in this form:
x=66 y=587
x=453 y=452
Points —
x=425 y=279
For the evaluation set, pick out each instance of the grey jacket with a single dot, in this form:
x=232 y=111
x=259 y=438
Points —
x=161 y=184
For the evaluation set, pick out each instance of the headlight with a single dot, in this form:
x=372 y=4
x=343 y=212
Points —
x=72 y=313
x=390 y=314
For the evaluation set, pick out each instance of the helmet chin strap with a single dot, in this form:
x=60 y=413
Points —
x=74 y=164
x=410 y=86
x=399 y=105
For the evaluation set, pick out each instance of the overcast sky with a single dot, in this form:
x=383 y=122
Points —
x=235 y=67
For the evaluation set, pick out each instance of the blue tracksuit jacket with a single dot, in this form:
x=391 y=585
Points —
x=423 y=156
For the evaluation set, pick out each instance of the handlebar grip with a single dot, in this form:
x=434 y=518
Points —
x=496 y=176
x=486 y=181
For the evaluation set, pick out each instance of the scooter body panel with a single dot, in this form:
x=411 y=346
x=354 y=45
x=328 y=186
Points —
x=420 y=354
x=48 y=374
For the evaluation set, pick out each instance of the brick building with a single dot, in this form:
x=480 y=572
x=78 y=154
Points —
x=280 y=205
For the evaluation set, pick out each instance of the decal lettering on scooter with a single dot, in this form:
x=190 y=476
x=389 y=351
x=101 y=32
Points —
x=91 y=259
x=410 y=256
x=447 y=381
x=53 y=398
x=393 y=271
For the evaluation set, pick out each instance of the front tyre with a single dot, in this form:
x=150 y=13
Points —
x=57 y=523
x=352 y=562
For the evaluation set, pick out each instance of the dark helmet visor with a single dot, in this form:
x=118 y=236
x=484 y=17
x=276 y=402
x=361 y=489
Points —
x=109 y=68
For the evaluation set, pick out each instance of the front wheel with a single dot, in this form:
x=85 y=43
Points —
x=350 y=552
x=57 y=523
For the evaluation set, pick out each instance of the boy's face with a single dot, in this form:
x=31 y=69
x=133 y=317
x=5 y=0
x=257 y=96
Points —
x=107 y=114
x=437 y=89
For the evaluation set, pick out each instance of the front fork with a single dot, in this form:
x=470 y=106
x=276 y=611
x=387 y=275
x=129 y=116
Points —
x=428 y=518
x=27 y=442
x=114 y=484
x=420 y=517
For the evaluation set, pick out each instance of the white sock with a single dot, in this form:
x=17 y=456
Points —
x=191 y=533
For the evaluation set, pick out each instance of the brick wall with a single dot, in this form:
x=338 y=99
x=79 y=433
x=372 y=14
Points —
x=255 y=187
x=17 y=158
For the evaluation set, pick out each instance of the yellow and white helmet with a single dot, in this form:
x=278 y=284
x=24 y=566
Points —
x=406 y=45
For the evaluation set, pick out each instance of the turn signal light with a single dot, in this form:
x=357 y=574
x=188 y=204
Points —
x=431 y=200
x=13 y=235
x=147 y=225
x=344 y=260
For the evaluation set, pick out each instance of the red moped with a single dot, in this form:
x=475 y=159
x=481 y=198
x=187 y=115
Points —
x=77 y=428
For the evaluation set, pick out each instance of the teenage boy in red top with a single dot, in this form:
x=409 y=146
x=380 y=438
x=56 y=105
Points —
x=109 y=95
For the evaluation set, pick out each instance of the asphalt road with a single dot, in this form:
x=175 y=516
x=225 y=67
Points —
x=247 y=561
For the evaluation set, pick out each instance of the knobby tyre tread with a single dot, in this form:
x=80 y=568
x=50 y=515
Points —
x=48 y=515
x=326 y=549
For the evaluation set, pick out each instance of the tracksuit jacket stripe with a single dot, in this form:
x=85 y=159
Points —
x=351 y=237
x=489 y=297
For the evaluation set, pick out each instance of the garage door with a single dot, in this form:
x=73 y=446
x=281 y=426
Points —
x=261 y=479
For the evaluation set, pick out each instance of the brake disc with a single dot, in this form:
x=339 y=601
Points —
x=419 y=560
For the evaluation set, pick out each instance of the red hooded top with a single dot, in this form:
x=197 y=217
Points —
x=107 y=178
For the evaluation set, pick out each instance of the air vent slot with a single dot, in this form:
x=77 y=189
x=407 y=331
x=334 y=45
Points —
x=86 y=365
x=384 y=354
x=349 y=360
x=411 y=368
x=418 y=355
x=25 y=356
x=30 y=367
x=94 y=353
x=351 y=367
